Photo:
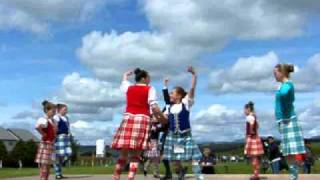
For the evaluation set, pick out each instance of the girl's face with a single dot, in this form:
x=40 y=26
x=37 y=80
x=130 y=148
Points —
x=63 y=111
x=247 y=111
x=51 y=112
x=175 y=96
x=279 y=76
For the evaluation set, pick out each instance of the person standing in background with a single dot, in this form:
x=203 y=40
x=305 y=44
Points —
x=292 y=143
x=274 y=155
x=309 y=159
x=254 y=148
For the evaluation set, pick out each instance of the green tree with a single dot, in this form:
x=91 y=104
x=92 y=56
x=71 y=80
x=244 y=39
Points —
x=3 y=151
x=31 y=151
x=75 y=146
x=18 y=153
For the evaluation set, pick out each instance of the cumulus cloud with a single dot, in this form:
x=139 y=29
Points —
x=90 y=99
x=88 y=132
x=255 y=74
x=36 y=16
x=183 y=30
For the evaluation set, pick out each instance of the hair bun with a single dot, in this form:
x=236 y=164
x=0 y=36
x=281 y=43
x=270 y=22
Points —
x=290 y=68
x=45 y=102
x=137 y=71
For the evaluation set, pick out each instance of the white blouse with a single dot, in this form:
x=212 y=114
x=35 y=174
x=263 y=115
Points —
x=43 y=122
x=59 y=117
x=152 y=96
x=250 y=119
x=177 y=108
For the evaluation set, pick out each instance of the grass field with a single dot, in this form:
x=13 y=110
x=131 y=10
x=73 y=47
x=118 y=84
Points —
x=233 y=168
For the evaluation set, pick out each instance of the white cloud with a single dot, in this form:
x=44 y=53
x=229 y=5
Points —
x=37 y=16
x=247 y=74
x=181 y=31
x=111 y=54
x=255 y=74
x=89 y=132
x=90 y=99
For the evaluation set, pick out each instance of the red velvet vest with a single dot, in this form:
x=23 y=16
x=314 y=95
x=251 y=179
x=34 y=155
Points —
x=51 y=132
x=137 y=100
x=255 y=127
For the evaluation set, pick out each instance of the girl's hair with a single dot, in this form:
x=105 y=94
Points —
x=47 y=106
x=286 y=69
x=60 y=106
x=250 y=106
x=140 y=74
x=181 y=91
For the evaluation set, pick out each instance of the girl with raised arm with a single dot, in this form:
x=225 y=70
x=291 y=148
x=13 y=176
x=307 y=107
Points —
x=292 y=142
x=131 y=137
x=179 y=145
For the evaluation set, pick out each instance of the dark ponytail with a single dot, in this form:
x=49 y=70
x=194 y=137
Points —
x=140 y=74
x=250 y=106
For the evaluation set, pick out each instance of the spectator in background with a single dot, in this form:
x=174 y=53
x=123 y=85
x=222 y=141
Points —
x=309 y=160
x=208 y=162
x=274 y=155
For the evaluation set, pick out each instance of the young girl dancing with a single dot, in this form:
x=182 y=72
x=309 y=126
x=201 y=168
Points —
x=153 y=152
x=254 y=147
x=292 y=143
x=179 y=145
x=47 y=128
x=131 y=137
x=63 y=142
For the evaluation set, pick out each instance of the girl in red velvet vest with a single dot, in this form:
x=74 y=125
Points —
x=47 y=128
x=254 y=147
x=131 y=137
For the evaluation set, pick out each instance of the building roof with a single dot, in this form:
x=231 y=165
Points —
x=23 y=135
x=5 y=135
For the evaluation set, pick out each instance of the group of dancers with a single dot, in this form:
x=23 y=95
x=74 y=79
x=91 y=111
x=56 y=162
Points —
x=55 y=145
x=143 y=120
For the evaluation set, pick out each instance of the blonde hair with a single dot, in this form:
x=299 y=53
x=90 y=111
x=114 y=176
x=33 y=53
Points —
x=286 y=69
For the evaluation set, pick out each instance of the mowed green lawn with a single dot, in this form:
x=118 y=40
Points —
x=233 y=168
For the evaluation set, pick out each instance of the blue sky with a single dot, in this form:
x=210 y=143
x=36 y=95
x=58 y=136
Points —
x=75 y=53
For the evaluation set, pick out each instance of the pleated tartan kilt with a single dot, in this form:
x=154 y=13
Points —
x=133 y=132
x=63 y=146
x=292 y=141
x=253 y=146
x=191 y=149
x=153 y=149
x=45 y=154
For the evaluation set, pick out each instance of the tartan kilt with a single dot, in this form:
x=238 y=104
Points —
x=45 y=154
x=292 y=142
x=153 y=149
x=191 y=149
x=253 y=146
x=133 y=132
x=63 y=146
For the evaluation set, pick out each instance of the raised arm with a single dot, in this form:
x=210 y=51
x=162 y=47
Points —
x=193 y=82
x=126 y=75
x=125 y=81
x=165 y=92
